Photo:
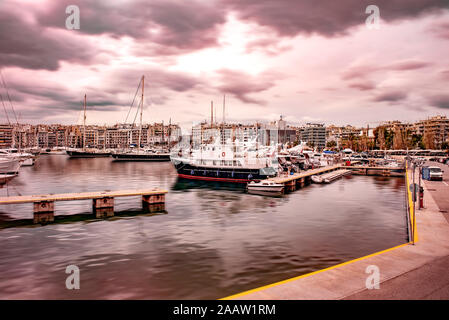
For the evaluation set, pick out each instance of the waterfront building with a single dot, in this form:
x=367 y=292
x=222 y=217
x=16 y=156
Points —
x=6 y=136
x=315 y=135
x=435 y=132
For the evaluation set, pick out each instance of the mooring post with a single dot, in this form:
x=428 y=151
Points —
x=43 y=211
x=151 y=199
x=103 y=207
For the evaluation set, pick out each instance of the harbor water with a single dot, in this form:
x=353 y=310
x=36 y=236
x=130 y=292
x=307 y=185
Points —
x=211 y=241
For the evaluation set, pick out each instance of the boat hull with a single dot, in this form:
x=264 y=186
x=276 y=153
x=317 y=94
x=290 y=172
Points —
x=266 y=188
x=141 y=157
x=9 y=166
x=87 y=154
x=232 y=175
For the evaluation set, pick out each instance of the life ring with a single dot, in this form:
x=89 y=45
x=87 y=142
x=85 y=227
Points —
x=223 y=154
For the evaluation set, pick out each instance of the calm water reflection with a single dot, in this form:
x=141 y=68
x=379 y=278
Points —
x=213 y=240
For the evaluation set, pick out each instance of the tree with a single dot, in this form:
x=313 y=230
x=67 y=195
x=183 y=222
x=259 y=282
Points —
x=331 y=144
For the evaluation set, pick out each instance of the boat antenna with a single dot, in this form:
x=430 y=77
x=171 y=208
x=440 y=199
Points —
x=223 y=124
x=141 y=112
x=169 y=133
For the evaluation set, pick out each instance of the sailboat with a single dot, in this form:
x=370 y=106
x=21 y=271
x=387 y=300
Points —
x=139 y=154
x=86 y=153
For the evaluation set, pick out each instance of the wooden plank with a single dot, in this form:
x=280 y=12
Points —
x=79 y=196
x=304 y=174
x=374 y=168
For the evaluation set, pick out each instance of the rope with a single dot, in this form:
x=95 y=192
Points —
x=4 y=108
x=9 y=98
x=133 y=101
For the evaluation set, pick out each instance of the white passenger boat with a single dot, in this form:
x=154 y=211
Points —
x=4 y=178
x=265 y=185
x=9 y=166
x=26 y=159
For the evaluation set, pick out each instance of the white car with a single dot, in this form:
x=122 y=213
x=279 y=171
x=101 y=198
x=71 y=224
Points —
x=435 y=173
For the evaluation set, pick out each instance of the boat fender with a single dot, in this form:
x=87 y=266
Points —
x=223 y=154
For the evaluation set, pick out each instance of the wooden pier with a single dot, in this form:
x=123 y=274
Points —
x=102 y=201
x=292 y=182
x=300 y=179
x=377 y=171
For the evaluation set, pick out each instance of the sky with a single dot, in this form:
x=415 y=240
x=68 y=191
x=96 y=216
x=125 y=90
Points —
x=309 y=61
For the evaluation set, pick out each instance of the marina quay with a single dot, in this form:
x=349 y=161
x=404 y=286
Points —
x=223 y=159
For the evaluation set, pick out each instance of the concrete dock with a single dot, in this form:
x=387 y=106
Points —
x=407 y=271
x=102 y=201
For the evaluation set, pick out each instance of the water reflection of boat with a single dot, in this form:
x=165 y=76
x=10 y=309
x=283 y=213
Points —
x=183 y=184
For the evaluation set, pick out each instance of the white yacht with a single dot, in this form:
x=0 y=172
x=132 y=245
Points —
x=231 y=162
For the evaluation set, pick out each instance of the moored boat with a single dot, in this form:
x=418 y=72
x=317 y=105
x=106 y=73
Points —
x=75 y=153
x=147 y=155
x=265 y=185
x=9 y=166
x=235 y=163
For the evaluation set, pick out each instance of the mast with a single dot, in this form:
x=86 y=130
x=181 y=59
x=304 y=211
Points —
x=84 y=123
x=141 y=111
x=169 y=134
x=223 y=138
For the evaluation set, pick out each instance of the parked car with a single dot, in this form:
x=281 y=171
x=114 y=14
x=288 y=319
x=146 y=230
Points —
x=435 y=173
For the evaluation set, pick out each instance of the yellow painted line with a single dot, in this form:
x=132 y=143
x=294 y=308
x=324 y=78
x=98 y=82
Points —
x=336 y=266
x=411 y=206
x=311 y=273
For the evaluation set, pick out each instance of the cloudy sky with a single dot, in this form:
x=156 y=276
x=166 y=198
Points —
x=305 y=60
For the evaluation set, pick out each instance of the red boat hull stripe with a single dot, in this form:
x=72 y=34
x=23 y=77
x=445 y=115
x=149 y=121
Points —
x=186 y=176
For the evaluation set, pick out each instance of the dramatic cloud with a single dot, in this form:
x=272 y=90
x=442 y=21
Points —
x=175 y=24
x=328 y=17
x=28 y=45
x=390 y=96
x=306 y=60
x=363 y=86
x=366 y=70
x=241 y=85
x=440 y=101
x=440 y=29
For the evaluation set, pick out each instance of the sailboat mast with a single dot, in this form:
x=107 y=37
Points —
x=141 y=111
x=84 y=123
x=223 y=139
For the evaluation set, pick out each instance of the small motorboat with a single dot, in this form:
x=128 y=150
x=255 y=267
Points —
x=265 y=185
